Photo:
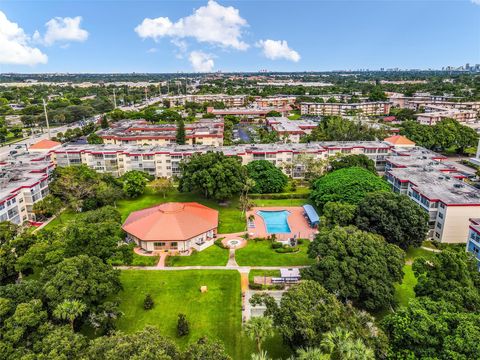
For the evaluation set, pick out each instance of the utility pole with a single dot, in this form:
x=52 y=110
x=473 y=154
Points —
x=114 y=99
x=46 y=118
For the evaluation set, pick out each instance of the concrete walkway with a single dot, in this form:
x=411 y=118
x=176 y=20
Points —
x=238 y=268
x=161 y=261
x=231 y=259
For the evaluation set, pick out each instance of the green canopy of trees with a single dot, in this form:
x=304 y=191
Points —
x=268 y=178
x=307 y=312
x=360 y=160
x=134 y=183
x=349 y=185
x=397 y=218
x=428 y=329
x=335 y=128
x=213 y=174
x=447 y=135
x=452 y=276
x=357 y=266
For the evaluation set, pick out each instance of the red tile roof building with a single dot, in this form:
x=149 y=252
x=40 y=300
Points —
x=173 y=227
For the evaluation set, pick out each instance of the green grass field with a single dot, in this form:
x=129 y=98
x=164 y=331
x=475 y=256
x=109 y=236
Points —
x=216 y=313
x=404 y=291
x=260 y=253
x=211 y=256
x=139 y=260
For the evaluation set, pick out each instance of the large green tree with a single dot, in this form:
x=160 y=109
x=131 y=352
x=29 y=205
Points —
x=452 y=276
x=213 y=175
x=360 y=160
x=268 y=178
x=428 y=329
x=134 y=183
x=205 y=349
x=357 y=266
x=396 y=217
x=336 y=128
x=81 y=277
x=349 y=185
x=307 y=311
x=142 y=345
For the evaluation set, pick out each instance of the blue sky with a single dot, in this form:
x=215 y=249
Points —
x=171 y=36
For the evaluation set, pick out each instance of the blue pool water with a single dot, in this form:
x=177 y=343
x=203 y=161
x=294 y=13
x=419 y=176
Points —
x=275 y=221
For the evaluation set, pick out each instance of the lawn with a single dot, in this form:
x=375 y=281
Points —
x=404 y=291
x=260 y=253
x=211 y=256
x=216 y=313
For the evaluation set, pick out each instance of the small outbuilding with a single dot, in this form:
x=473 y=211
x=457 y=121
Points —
x=177 y=227
x=311 y=215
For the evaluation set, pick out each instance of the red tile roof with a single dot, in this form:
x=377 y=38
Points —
x=171 y=221
x=399 y=140
x=45 y=145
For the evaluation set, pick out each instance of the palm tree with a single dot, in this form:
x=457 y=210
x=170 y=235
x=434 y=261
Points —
x=258 y=329
x=340 y=346
x=69 y=310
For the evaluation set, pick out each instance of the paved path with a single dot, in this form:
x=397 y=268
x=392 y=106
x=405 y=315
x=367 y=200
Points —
x=231 y=259
x=238 y=268
x=432 y=250
x=161 y=261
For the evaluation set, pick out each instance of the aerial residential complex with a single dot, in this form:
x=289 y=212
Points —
x=343 y=109
x=423 y=175
x=140 y=132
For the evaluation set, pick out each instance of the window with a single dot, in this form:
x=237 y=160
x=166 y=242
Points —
x=174 y=245
x=437 y=235
x=440 y=215
x=439 y=225
x=158 y=245
x=442 y=205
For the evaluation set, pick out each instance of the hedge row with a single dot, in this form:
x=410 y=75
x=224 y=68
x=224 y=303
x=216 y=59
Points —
x=279 y=196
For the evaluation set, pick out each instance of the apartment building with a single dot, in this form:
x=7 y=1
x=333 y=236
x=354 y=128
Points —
x=473 y=240
x=164 y=161
x=23 y=182
x=248 y=112
x=343 y=109
x=290 y=130
x=228 y=100
x=431 y=118
x=277 y=101
x=438 y=188
x=140 y=132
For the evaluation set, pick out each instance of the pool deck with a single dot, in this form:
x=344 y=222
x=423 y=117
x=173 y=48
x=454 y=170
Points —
x=297 y=223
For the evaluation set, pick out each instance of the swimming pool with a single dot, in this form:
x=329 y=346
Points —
x=275 y=221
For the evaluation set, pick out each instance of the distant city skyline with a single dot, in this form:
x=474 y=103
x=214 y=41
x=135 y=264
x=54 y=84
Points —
x=236 y=36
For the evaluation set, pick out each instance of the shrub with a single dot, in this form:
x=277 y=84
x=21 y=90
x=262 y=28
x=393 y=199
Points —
x=279 y=196
x=183 y=328
x=254 y=286
x=148 y=302
x=300 y=241
x=287 y=249
x=276 y=245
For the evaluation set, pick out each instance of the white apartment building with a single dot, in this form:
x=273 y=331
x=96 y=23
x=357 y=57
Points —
x=431 y=118
x=163 y=161
x=228 y=100
x=140 y=132
x=290 y=130
x=343 y=109
x=438 y=188
x=23 y=182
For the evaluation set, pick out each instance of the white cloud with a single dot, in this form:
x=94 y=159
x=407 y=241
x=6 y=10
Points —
x=152 y=50
x=278 y=49
x=201 y=62
x=14 y=45
x=62 y=30
x=476 y=2
x=213 y=23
